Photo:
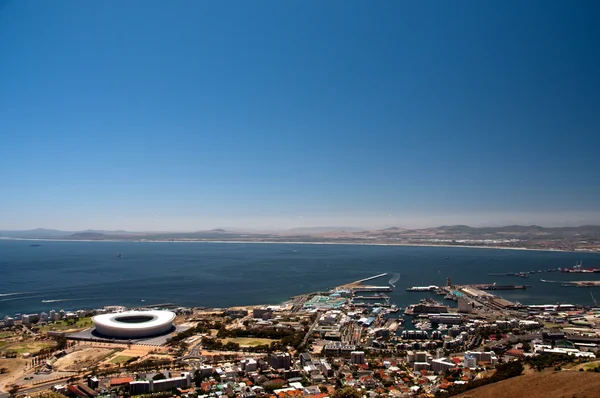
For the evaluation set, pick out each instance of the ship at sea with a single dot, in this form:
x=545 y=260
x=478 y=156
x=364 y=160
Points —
x=578 y=269
x=429 y=288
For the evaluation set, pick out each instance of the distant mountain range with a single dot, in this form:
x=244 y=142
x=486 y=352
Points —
x=529 y=236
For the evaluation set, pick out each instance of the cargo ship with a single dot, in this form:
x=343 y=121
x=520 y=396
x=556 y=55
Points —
x=430 y=288
x=578 y=269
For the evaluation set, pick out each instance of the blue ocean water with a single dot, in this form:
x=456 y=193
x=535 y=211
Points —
x=72 y=275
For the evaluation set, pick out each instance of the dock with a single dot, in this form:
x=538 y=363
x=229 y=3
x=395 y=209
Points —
x=358 y=282
x=373 y=297
x=372 y=289
x=501 y=287
x=579 y=283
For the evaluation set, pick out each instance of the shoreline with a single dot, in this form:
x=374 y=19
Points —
x=303 y=243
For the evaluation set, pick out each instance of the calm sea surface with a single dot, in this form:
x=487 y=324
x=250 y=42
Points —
x=73 y=275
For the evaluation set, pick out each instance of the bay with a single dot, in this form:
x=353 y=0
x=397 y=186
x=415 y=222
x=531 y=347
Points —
x=73 y=275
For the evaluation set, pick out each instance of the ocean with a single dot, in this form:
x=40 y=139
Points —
x=73 y=275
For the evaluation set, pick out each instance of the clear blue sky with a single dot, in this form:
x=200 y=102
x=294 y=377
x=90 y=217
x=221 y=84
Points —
x=185 y=115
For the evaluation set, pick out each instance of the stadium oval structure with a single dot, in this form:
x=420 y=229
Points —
x=134 y=324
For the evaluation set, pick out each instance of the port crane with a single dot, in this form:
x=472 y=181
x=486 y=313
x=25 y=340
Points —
x=593 y=299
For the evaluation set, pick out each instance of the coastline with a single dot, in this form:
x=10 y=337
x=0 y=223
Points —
x=301 y=243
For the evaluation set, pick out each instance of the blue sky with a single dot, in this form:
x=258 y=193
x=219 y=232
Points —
x=154 y=115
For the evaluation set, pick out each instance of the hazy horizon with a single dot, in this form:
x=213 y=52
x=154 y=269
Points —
x=156 y=225
x=275 y=115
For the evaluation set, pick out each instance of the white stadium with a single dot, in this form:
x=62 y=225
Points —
x=134 y=324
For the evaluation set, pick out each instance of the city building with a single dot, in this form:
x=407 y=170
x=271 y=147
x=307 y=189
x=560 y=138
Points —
x=441 y=365
x=421 y=356
x=263 y=313
x=470 y=361
x=279 y=360
x=486 y=357
x=93 y=382
x=417 y=366
x=357 y=357
x=464 y=305
x=43 y=317
x=305 y=358
x=148 y=386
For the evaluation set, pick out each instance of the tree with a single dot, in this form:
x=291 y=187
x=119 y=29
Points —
x=159 y=376
x=61 y=343
x=13 y=390
x=346 y=392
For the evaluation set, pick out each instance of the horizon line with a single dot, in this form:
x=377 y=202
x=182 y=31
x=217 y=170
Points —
x=323 y=228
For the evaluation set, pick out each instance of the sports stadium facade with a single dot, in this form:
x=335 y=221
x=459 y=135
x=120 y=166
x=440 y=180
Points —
x=134 y=324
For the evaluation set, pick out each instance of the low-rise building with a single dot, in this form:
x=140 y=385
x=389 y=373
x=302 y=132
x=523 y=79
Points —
x=441 y=365
x=148 y=386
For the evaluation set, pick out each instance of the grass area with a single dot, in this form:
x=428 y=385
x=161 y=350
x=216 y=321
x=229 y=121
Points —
x=119 y=359
x=551 y=325
x=81 y=323
x=587 y=365
x=30 y=347
x=248 y=341
x=4 y=335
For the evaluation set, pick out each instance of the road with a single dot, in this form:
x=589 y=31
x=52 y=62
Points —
x=195 y=352
x=310 y=331
x=298 y=302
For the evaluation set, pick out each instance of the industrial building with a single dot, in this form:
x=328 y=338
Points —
x=148 y=386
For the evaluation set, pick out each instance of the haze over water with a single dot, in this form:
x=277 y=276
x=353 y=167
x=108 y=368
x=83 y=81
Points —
x=74 y=275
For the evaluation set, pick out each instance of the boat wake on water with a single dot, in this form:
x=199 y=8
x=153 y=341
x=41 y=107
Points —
x=56 y=300
x=13 y=294
x=394 y=279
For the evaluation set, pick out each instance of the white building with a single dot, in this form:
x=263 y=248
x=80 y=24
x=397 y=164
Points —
x=441 y=365
x=249 y=365
x=422 y=356
x=417 y=366
x=145 y=386
x=464 y=305
x=488 y=357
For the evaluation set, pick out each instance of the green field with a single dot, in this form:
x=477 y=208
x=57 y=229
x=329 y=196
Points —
x=248 y=341
x=119 y=359
x=81 y=323
x=588 y=365
x=30 y=347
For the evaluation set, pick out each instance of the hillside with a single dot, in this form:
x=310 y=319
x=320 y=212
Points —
x=565 y=384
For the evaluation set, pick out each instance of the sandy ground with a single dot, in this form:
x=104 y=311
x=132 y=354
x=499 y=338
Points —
x=15 y=369
x=565 y=384
x=81 y=359
x=137 y=351
x=124 y=346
